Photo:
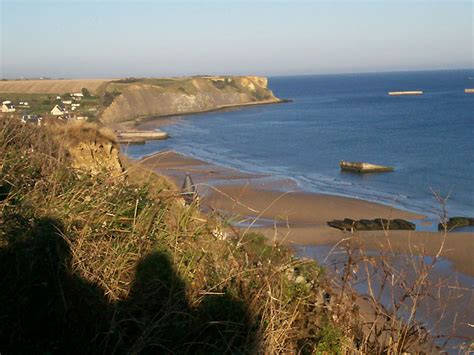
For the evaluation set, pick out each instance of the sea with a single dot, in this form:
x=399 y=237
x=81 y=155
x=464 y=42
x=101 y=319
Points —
x=428 y=139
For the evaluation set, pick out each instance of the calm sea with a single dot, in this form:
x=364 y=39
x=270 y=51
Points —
x=429 y=139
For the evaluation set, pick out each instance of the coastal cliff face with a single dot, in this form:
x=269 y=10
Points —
x=135 y=98
x=95 y=157
x=91 y=149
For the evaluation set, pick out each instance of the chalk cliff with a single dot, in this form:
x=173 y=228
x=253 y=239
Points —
x=91 y=149
x=133 y=98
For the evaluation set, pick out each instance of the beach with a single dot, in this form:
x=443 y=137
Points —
x=282 y=211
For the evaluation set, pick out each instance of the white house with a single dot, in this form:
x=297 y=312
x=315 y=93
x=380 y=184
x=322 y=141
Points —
x=7 y=106
x=34 y=119
x=77 y=94
x=58 y=110
x=67 y=102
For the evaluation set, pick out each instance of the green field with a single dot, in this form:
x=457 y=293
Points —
x=41 y=104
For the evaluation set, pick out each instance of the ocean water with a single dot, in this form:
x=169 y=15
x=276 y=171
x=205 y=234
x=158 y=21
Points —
x=429 y=139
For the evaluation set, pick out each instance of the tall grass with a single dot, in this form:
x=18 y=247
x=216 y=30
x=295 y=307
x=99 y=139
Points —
x=103 y=264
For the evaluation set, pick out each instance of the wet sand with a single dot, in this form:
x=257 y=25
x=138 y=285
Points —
x=282 y=211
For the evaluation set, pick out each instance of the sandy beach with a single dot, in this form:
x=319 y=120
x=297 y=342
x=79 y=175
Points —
x=281 y=210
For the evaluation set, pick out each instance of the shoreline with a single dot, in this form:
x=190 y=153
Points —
x=282 y=211
x=139 y=122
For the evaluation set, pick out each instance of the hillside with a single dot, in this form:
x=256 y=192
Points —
x=98 y=259
x=102 y=256
x=124 y=100
x=133 y=98
x=51 y=86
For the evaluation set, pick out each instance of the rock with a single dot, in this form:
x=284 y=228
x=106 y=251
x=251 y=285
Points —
x=457 y=222
x=92 y=149
x=96 y=157
x=326 y=297
x=300 y=280
x=290 y=273
x=348 y=224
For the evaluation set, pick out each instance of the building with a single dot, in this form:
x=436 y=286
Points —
x=77 y=96
x=67 y=102
x=7 y=106
x=58 y=110
x=32 y=119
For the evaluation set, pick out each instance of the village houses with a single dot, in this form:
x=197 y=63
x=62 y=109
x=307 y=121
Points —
x=7 y=106
x=77 y=96
x=58 y=110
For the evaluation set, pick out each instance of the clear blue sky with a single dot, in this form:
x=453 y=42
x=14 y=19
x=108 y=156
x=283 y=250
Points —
x=162 y=38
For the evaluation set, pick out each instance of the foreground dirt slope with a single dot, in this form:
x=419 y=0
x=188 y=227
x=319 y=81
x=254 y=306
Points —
x=160 y=97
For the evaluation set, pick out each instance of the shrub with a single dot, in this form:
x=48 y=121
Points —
x=86 y=93
x=109 y=97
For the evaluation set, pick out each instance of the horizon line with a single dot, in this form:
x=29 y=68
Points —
x=265 y=75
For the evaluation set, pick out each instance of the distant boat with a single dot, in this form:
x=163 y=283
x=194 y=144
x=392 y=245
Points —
x=401 y=93
x=469 y=91
x=360 y=167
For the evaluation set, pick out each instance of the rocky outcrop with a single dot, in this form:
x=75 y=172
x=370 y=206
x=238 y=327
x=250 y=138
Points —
x=371 y=224
x=91 y=149
x=456 y=222
x=162 y=97
x=96 y=157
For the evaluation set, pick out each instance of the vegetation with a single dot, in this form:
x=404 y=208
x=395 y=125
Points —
x=127 y=80
x=120 y=264
x=38 y=103
x=41 y=104
x=86 y=93
x=227 y=83
x=109 y=97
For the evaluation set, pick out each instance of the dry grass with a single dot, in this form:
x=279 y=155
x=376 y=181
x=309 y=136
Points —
x=51 y=86
x=107 y=264
x=74 y=132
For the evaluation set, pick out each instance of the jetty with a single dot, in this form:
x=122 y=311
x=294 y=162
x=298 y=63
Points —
x=402 y=93
x=361 y=167
x=139 y=137
x=469 y=91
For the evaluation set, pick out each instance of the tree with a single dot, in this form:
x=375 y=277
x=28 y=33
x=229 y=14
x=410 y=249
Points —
x=85 y=92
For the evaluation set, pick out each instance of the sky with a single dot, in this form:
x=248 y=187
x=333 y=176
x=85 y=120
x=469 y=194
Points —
x=110 y=38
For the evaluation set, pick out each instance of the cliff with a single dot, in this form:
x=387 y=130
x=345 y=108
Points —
x=89 y=148
x=133 y=98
